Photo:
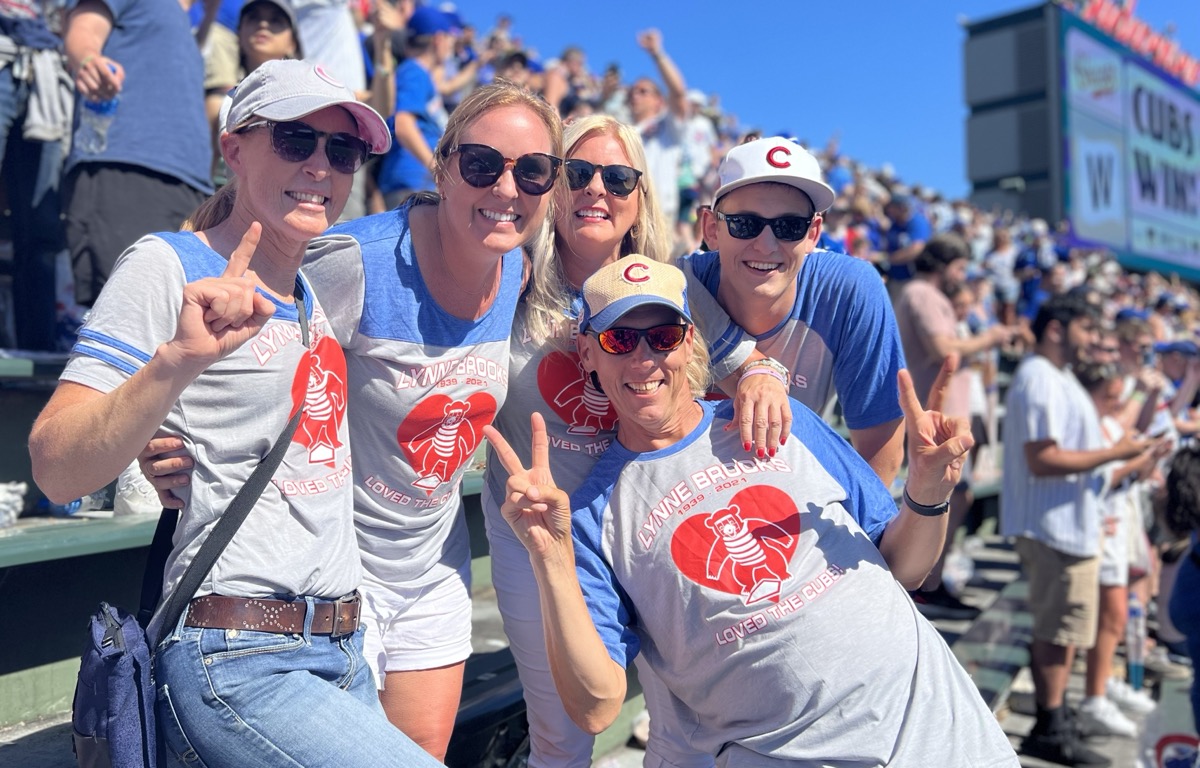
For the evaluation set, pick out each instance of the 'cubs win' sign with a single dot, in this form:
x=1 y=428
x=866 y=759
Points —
x=1132 y=154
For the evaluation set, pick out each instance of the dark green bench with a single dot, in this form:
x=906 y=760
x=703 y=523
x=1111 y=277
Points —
x=996 y=646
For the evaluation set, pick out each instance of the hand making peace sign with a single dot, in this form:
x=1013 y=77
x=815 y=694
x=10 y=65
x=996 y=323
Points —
x=537 y=509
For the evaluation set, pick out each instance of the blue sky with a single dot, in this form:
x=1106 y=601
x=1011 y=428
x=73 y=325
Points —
x=885 y=75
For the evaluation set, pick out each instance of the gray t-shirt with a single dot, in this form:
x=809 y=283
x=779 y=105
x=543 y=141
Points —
x=299 y=537
x=754 y=591
x=424 y=384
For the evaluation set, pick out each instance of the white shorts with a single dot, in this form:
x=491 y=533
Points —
x=416 y=628
x=1114 y=541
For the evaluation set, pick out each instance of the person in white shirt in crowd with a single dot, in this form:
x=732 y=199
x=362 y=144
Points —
x=1053 y=478
x=660 y=121
x=1001 y=263
x=1143 y=383
x=1120 y=521
x=699 y=144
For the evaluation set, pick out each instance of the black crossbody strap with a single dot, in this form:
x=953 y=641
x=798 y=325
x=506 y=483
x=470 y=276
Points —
x=156 y=564
x=222 y=533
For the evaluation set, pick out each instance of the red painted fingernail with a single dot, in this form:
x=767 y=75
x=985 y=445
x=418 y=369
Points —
x=746 y=446
x=783 y=440
x=761 y=453
x=772 y=451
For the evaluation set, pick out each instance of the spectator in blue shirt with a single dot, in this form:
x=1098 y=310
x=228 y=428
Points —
x=905 y=239
x=420 y=115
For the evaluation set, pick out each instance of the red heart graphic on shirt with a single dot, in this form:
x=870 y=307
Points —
x=743 y=548
x=320 y=383
x=440 y=434
x=568 y=390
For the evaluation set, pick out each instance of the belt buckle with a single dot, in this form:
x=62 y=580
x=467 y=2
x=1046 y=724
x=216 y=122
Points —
x=338 y=630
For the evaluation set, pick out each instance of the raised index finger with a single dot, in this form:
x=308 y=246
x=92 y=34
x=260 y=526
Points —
x=541 y=444
x=508 y=457
x=239 y=261
x=908 y=396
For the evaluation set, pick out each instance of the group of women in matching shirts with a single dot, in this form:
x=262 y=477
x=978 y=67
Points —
x=524 y=212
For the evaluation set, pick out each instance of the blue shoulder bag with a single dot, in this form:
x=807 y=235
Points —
x=112 y=716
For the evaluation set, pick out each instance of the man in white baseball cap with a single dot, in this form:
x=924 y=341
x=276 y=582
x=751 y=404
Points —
x=804 y=305
x=823 y=315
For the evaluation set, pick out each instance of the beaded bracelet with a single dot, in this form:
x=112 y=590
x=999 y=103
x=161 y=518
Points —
x=763 y=371
x=924 y=510
x=772 y=364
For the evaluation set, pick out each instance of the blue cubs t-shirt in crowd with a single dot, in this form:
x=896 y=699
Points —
x=160 y=122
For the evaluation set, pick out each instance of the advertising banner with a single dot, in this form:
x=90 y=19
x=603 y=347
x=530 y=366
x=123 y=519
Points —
x=1132 y=153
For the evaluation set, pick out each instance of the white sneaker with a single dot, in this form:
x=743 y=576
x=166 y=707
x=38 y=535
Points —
x=1121 y=694
x=1100 y=717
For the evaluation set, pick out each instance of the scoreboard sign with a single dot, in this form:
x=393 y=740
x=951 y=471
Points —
x=1132 y=153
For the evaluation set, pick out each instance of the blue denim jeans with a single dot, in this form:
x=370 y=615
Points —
x=231 y=697
x=33 y=171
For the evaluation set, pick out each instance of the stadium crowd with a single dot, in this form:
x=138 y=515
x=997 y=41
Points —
x=1100 y=365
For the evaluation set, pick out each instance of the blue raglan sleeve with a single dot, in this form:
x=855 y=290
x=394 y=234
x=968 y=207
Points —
x=136 y=312
x=857 y=315
x=610 y=608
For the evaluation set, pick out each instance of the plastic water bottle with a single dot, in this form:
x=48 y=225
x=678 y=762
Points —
x=94 y=120
x=85 y=504
x=1135 y=644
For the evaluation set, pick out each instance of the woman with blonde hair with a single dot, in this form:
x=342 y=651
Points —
x=425 y=296
x=607 y=212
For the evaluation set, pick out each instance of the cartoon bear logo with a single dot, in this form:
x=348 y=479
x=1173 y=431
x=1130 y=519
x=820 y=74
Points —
x=758 y=563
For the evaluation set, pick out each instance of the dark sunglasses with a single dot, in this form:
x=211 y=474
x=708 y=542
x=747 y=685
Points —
x=295 y=142
x=619 y=180
x=482 y=166
x=747 y=226
x=661 y=338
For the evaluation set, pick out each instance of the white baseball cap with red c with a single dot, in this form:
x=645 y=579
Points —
x=775 y=159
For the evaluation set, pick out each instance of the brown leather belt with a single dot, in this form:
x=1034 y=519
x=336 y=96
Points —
x=336 y=618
